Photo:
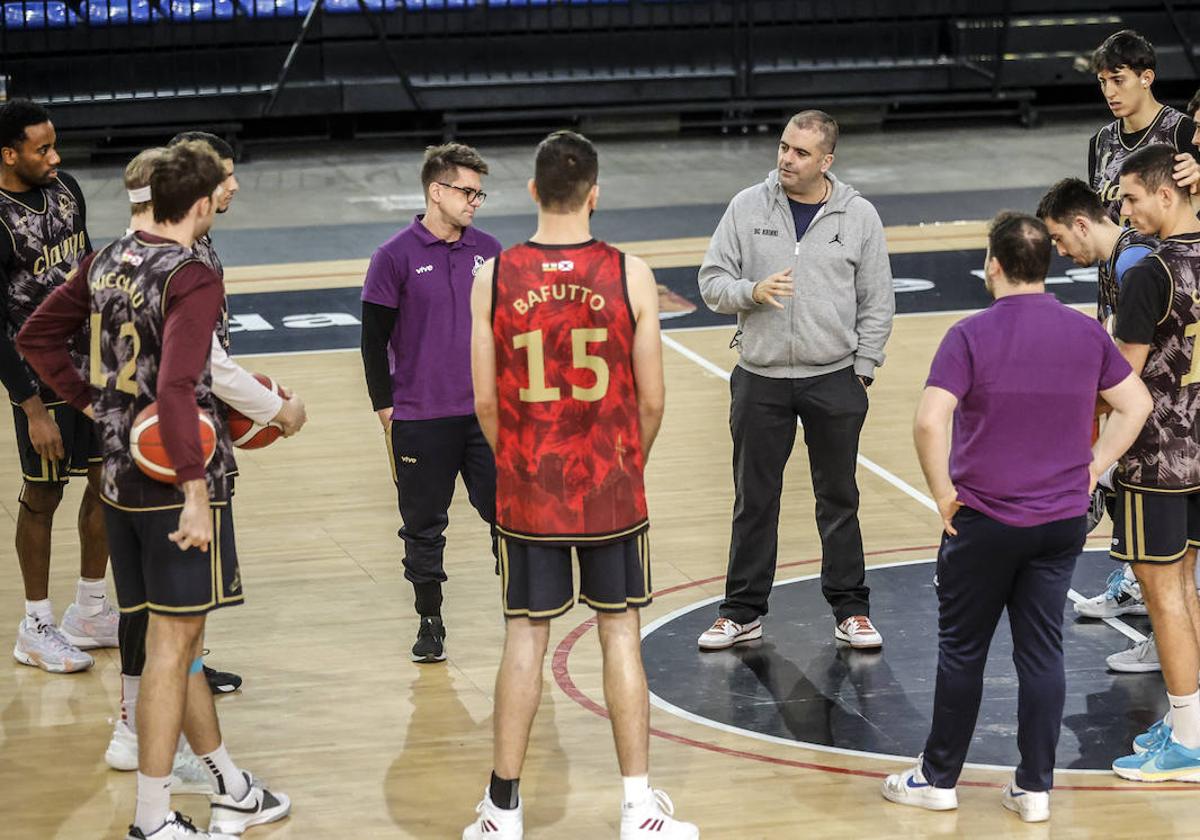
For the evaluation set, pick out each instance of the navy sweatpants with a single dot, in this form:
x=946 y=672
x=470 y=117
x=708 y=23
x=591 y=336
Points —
x=987 y=567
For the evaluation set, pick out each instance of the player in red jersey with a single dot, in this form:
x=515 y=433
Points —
x=567 y=366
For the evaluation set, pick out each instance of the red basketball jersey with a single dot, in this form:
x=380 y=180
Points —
x=569 y=456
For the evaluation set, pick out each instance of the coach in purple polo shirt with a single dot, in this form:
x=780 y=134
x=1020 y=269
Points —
x=416 y=347
x=1020 y=380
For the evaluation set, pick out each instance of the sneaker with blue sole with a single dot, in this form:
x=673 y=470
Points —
x=1172 y=762
x=1153 y=738
x=910 y=788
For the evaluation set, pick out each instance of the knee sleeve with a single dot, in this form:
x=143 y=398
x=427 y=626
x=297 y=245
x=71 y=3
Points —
x=131 y=634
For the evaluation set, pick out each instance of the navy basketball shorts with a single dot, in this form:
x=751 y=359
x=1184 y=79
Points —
x=152 y=573
x=81 y=446
x=1154 y=527
x=537 y=581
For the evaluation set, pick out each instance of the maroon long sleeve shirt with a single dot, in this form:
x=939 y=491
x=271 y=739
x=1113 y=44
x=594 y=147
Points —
x=192 y=305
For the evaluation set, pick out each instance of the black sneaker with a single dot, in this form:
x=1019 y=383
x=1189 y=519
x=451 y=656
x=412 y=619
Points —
x=222 y=682
x=430 y=646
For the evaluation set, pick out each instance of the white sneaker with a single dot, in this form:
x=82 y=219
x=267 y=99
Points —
x=177 y=827
x=910 y=788
x=859 y=632
x=1030 y=805
x=44 y=646
x=1121 y=596
x=91 y=631
x=188 y=774
x=496 y=823
x=258 y=806
x=653 y=818
x=1142 y=658
x=122 y=752
x=726 y=633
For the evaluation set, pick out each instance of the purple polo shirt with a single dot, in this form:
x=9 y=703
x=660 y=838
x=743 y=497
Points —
x=1026 y=372
x=428 y=282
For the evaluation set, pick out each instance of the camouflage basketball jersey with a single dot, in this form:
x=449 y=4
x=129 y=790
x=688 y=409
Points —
x=128 y=283
x=1109 y=288
x=47 y=245
x=207 y=254
x=1166 y=455
x=1110 y=152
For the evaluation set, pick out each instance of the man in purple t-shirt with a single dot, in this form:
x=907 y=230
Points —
x=1020 y=380
x=416 y=347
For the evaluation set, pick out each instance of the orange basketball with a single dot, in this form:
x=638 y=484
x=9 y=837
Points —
x=245 y=433
x=149 y=453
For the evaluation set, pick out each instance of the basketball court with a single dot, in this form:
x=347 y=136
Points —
x=787 y=737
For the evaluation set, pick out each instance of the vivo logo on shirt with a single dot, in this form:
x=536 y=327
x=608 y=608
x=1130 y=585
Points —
x=424 y=269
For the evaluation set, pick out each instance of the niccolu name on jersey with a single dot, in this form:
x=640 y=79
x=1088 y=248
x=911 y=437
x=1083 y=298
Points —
x=66 y=251
x=559 y=291
x=120 y=282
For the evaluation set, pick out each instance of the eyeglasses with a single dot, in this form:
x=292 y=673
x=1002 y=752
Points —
x=474 y=196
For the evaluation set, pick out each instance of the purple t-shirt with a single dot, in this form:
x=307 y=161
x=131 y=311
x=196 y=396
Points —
x=1026 y=372
x=428 y=281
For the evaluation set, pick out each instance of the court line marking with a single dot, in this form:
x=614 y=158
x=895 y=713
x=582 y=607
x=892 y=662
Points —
x=890 y=477
x=672 y=709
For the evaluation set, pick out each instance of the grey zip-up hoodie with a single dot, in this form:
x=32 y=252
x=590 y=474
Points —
x=842 y=311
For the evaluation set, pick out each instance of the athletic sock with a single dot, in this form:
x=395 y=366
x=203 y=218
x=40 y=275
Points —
x=90 y=596
x=226 y=777
x=637 y=788
x=505 y=793
x=153 y=802
x=129 y=695
x=40 y=611
x=1185 y=719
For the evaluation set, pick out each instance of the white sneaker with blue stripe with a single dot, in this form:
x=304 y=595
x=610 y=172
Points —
x=1030 y=805
x=1172 y=762
x=1121 y=596
x=910 y=788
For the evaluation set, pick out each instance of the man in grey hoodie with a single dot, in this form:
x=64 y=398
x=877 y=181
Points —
x=801 y=260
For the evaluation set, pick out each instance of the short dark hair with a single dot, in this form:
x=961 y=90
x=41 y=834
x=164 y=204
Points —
x=564 y=171
x=186 y=173
x=16 y=115
x=1124 y=49
x=441 y=161
x=818 y=121
x=218 y=144
x=1154 y=165
x=1021 y=244
x=1194 y=104
x=1069 y=198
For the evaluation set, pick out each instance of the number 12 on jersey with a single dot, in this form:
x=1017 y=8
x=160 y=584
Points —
x=535 y=353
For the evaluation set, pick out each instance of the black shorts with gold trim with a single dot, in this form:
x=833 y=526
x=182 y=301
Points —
x=152 y=573
x=1154 y=527
x=537 y=581
x=81 y=445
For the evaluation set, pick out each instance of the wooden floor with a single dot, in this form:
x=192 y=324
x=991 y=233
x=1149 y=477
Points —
x=370 y=745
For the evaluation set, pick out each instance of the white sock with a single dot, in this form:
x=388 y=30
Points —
x=1185 y=719
x=40 y=611
x=226 y=776
x=90 y=596
x=129 y=695
x=153 y=802
x=637 y=788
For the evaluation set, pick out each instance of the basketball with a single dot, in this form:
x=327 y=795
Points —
x=245 y=433
x=149 y=453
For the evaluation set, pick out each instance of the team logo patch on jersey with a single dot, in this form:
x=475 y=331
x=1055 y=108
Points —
x=131 y=258
x=65 y=204
x=479 y=261
x=561 y=265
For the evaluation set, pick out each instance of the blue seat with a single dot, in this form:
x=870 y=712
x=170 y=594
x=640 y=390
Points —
x=35 y=14
x=119 y=12
x=276 y=8
x=185 y=10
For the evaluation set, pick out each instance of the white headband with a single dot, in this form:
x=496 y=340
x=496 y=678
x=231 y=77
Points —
x=140 y=195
